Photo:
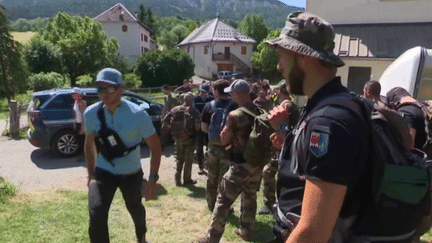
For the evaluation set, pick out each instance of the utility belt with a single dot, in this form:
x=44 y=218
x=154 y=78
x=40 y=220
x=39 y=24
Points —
x=285 y=224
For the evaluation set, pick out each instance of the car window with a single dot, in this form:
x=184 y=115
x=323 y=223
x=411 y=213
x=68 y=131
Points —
x=61 y=102
x=142 y=103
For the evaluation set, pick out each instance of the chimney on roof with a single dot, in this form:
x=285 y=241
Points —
x=217 y=15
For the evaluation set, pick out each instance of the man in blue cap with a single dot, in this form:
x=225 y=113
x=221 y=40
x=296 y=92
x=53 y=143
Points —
x=129 y=125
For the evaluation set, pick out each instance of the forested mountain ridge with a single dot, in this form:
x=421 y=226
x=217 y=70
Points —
x=274 y=11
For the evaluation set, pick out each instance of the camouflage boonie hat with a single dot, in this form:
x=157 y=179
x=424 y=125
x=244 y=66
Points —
x=309 y=35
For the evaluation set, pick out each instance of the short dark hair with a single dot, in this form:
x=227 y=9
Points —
x=374 y=87
x=396 y=94
x=220 y=84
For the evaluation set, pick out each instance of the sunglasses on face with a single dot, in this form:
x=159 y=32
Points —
x=109 y=89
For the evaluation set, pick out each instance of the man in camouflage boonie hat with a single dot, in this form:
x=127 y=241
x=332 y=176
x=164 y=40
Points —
x=309 y=35
x=324 y=158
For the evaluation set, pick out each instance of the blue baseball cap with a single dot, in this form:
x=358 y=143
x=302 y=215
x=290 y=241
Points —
x=239 y=85
x=110 y=76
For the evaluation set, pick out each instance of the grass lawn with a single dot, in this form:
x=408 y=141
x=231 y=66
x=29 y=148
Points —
x=23 y=37
x=179 y=215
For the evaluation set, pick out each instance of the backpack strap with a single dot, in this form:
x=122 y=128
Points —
x=213 y=105
x=248 y=112
x=101 y=116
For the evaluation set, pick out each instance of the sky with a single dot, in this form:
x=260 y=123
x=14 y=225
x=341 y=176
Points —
x=297 y=3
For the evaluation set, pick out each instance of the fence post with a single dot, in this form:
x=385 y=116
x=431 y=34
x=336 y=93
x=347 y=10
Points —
x=14 y=118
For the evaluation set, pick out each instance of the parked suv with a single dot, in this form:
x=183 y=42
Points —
x=50 y=117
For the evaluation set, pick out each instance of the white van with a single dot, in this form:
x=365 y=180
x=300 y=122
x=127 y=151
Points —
x=412 y=71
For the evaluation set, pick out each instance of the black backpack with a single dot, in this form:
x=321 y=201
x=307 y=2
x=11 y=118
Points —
x=399 y=198
x=108 y=142
x=401 y=180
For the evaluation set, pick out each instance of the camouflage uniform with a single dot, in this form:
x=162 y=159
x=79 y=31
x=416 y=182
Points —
x=241 y=178
x=217 y=165
x=269 y=181
x=185 y=124
x=270 y=169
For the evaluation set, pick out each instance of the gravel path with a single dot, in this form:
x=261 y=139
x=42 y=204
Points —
x=31 y=168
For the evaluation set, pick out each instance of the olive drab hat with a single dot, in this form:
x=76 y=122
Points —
x=309 y=35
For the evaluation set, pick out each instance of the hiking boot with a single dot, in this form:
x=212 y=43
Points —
x=265 y=210
x=206 y=239
x=202 y=172
x=189 y=182
x=142 y=240
x=246 y=235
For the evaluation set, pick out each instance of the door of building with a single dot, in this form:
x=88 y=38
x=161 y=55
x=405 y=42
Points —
x=225 y=67
x=227 y=53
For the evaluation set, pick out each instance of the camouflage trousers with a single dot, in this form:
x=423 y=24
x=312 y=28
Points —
x=217 y=165
x=184 y=158
x=269 y=181
x=240 y=179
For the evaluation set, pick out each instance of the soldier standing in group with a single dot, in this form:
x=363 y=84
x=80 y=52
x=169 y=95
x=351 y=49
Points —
x=218 y=162
x=184 y=123
x=242 y=177
x=270 y=170
x=199 y=102
x=169 y=100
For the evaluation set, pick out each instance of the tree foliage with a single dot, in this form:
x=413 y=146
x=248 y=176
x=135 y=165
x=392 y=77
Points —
x=42 y=81
x=13 y=69
x=254 y=26
x=265 y=58
x=170 y=66
x=24 y=25
x=83 y=45
x=42 y=56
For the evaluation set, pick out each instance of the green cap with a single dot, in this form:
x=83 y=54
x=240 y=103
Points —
x=309 y=35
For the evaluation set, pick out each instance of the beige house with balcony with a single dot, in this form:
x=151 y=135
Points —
x=371 y=34
x=217 y=46
x=132 y=35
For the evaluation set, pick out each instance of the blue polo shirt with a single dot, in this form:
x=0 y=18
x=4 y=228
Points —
x=132 y=123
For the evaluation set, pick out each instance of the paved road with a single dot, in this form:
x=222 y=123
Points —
x=31 y=168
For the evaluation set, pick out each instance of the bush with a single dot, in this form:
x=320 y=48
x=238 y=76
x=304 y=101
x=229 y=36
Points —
x=43 y=81
x=7 y=190
x=85 y=81
x=132 y=81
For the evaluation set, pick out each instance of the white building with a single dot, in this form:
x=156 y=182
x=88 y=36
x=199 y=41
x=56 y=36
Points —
x=370 y=34
x=217 y=46
x=132 y=35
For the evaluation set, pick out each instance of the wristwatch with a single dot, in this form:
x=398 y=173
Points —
x=154 y=177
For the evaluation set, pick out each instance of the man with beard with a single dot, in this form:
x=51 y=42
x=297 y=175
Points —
x=322 y=164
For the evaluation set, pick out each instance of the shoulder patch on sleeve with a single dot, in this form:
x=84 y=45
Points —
x=318 y=144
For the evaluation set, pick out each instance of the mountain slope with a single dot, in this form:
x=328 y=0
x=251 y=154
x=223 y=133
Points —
x=274 y=11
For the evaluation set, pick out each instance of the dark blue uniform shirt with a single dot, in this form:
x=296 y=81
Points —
x=331 y=146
